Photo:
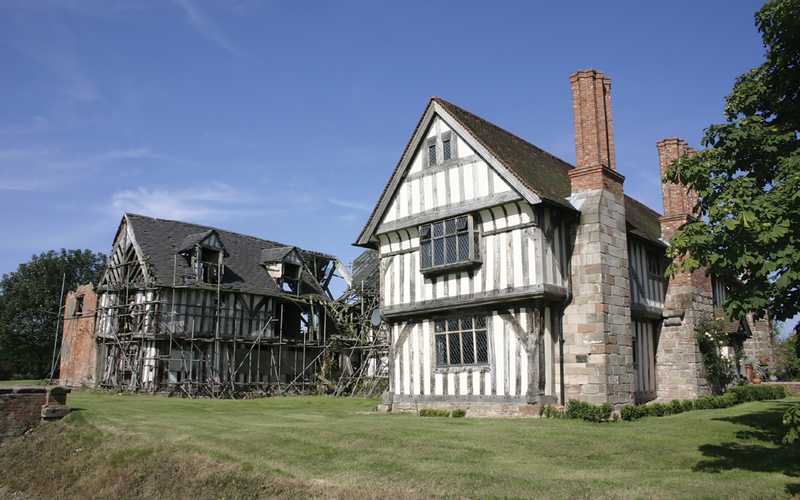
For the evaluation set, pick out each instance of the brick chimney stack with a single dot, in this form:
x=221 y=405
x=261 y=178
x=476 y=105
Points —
x=594 y=132
x=599 y=364
x=679 y=201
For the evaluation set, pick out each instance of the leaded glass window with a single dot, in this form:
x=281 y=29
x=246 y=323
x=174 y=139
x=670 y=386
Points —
x=447 y=242
x=461 y=341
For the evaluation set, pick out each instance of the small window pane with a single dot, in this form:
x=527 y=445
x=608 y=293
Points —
x=438 y=251
x=466 y=323
x=446 y=149
x=480 y=323
x=449 y=226
x=439 y=326
x=432 y=154
x=468 y=348
x=463 y=247
x=425 y=253
x=438 y=229
x=455 y=348
x=425 y=232
x=452 y=325
x=452 y=253
x=461 y=223
x=482 y=347
x=441 y=350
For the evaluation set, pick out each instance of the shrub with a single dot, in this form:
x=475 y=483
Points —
x=752 y=392
x=588 y=411
x=675 y=407
x=551 y=412
x=633 y=412
x=433 y=412
x=687 y=404
x=458 y=413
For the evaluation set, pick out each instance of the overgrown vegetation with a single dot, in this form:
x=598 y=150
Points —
x=791 y=420
x=29 y=305
x=719 y=369
x=747 y=229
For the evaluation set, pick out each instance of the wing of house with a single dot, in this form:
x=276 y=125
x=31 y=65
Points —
x=508 y=276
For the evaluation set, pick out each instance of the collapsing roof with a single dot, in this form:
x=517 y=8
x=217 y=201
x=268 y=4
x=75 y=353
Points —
x=162 y=241
x=542 y=173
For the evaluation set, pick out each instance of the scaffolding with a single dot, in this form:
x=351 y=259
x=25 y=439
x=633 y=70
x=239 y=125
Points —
x=203 y=340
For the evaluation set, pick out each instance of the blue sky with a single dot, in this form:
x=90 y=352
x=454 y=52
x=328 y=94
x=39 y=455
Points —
x=285 y=119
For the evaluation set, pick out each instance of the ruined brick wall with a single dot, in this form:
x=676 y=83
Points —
x=20 y=409
x=598 y=355
x=78 y=347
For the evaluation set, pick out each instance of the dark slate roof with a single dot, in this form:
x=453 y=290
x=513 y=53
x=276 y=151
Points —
x=160 y=240
x=365 y=269
x=643 y=220
x=543 y=173
x=275 y=254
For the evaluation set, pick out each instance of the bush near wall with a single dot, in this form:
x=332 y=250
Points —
x=734 y=396
x=588 y=411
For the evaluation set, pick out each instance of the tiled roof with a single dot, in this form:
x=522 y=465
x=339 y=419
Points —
x=544 y=174
x=160 y=241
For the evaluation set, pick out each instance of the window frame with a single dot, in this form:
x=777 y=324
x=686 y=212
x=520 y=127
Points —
x=473 y=239
x=437 y=142
x=473 y=332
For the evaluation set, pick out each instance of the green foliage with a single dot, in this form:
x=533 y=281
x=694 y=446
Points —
x=549 y=411
x=437 y=412
x=29 y=306
x=734 y=396
x=787 y=358
x=747 y=178
x=588 y=411
x=791 y=421
x=719 y=370
x=433 y=412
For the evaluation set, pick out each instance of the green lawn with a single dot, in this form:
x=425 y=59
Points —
x=318 y=446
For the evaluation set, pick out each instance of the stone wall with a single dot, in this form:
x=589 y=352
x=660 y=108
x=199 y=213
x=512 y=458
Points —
x=598 y=354
x=78 y=346
x=761 y=345
x=688 y=301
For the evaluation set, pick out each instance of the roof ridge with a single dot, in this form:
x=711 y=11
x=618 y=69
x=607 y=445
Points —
x=234 y=233
x=501 y=129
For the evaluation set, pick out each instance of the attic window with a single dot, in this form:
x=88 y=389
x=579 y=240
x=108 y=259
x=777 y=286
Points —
x=209 y=266
x=78 y=305
x=446 y=152
x=432 y=154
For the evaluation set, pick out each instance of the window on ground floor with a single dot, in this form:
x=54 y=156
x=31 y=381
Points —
x=461 y=341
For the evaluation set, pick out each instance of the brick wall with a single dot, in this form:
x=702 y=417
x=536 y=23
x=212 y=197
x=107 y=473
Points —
x=20 y=409
x=78 y=347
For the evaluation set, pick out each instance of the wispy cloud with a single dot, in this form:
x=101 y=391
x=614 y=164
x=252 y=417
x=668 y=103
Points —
x=45 y=169
x=353 y=205
x=201 y=203
x=206 y=26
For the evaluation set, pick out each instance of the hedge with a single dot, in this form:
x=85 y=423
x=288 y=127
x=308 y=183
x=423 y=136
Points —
x=734 y=396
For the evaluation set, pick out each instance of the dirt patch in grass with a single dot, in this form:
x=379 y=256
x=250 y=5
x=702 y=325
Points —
x=73 y=459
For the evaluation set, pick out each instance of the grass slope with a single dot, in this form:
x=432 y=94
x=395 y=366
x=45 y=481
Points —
x=146 y=446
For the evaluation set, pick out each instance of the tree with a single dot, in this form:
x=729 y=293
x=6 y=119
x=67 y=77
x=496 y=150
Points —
x=29 y=306
x=747 y=179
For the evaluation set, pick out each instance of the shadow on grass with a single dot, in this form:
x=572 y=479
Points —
x=772 y=456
